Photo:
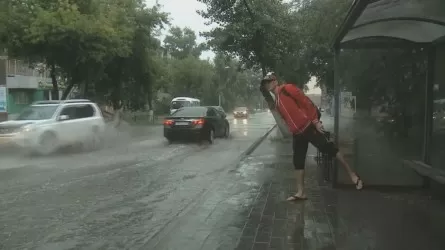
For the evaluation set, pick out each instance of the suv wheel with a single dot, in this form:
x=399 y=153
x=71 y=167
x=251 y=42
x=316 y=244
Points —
x=96 y=140
x=48 y=143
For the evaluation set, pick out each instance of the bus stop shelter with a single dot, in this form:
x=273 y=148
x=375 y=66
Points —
x=398 y=24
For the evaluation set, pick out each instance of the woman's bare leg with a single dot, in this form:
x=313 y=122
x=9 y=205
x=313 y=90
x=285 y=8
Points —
x=299 y=174
x=354 y=177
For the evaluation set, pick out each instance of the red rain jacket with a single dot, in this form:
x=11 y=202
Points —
x=297 y=110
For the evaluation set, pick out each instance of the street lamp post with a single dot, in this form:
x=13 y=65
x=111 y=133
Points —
x=220 y=92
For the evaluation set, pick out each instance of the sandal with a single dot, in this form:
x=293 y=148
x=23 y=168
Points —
x=296 y=198
x=358 y=183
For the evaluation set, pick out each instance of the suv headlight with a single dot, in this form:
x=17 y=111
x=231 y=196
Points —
x=28 y=128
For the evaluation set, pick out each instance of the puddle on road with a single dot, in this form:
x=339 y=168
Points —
x=169 y=154
x=68 y=244
x=148 y=143
x=241 y=200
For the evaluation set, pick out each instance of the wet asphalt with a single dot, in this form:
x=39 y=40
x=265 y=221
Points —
x=121 y=197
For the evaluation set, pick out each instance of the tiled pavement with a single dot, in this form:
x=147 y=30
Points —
x=246 y=209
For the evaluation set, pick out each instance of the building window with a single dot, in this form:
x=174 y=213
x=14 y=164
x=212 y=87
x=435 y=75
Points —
x=21 y=98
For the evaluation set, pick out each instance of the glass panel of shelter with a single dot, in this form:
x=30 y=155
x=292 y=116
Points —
x=388 y=123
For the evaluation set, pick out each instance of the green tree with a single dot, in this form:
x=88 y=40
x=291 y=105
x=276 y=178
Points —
x=110 y=51
x=79 y=37
x=258 y=32
x=318 y=22
x=100 y=46
x=181 y=43
x=236 y=84
x=189 y=76
x=130 y=79
x=292 y=38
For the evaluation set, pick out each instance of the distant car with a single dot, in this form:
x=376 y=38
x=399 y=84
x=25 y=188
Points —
x=240 y=112
x=46 y=126
x=199 y=123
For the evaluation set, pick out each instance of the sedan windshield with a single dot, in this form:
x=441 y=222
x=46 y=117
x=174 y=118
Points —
x=190 y=112
x=37 y=112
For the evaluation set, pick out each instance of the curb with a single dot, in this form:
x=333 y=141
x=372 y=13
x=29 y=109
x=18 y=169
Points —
x=257 y=143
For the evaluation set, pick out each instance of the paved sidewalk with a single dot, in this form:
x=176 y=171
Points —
x=246 y=209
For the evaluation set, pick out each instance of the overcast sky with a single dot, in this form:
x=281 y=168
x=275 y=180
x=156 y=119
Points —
x=183 y=14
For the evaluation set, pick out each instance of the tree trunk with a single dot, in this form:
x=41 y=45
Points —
x=150 y=95
x=67 y=91
x=118 y=112
x=73 y=79
x=258 y=44
x=263 y=70
x=285 y=133
x=85 y=89
x=55 y=90
x=118 y=104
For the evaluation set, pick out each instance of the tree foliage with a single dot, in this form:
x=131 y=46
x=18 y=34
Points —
x=80 y=37
x=181 y=43
x=110 y=50
x=291 y=38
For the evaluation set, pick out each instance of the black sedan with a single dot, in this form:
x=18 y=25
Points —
x=220 y=109
x=201 y=123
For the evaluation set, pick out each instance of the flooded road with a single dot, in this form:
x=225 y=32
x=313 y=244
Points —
x=118 y=198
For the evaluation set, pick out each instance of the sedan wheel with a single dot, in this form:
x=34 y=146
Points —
x=227 y=132
x=211 y=136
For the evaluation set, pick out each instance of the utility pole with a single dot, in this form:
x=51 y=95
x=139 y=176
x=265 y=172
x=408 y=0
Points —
x=226 y=69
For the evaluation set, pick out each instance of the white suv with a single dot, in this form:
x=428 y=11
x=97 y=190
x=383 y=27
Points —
x=45 y=126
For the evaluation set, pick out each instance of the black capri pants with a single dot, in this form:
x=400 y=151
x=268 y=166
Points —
x=301 y=143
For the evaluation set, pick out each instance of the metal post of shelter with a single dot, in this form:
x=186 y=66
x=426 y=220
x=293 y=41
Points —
x=337 y=90
x=428 y=118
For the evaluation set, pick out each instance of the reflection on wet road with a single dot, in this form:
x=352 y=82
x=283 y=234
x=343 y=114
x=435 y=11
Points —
x=241 y=126
x=122 y=197
x=240 y=121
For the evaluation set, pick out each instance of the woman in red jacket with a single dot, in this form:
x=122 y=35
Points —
x=302 y=118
